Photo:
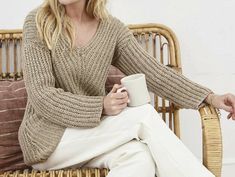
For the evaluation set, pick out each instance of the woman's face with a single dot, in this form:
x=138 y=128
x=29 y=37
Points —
x=66 y=2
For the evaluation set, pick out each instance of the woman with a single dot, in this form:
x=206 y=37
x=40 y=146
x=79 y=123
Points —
x=68 y=46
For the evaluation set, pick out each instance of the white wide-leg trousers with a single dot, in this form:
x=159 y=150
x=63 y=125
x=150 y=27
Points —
x=134 y=143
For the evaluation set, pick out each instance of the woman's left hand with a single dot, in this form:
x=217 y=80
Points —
x=225 y=102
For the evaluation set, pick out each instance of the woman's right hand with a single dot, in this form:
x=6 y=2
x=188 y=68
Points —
x=114 y=102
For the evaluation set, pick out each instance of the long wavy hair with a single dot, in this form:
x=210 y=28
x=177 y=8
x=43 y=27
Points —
x=51 y=20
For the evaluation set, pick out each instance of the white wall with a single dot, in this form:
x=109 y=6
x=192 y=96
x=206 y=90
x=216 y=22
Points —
x=205 y=30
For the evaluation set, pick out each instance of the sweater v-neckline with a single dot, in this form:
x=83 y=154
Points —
x=92 y=40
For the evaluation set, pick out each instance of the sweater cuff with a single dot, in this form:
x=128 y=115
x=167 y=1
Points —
x=202 y=101
x=101 y=107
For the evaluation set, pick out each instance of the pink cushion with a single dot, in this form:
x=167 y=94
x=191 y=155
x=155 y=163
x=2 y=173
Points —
x=114 y=77
x=13 y=99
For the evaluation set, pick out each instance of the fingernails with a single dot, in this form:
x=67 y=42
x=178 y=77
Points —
x=229 y=115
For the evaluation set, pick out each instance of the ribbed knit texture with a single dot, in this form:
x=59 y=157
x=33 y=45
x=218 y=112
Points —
x=130 y=58
x=67 y=89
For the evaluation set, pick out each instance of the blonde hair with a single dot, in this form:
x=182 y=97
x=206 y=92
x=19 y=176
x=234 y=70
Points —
x=51 y=20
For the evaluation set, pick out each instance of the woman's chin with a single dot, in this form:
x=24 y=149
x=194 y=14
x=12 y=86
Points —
x=67 y=2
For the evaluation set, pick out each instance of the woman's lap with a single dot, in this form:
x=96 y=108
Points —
x=79 y=145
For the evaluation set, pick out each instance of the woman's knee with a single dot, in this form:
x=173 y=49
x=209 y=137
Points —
x=137 y=154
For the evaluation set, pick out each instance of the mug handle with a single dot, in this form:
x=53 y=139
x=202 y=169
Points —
x=121 y=89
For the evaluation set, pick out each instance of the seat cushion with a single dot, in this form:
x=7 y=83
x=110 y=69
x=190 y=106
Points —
x=114 y=77
x=13 y=99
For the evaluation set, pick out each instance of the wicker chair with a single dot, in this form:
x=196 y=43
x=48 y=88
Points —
x=161 y=42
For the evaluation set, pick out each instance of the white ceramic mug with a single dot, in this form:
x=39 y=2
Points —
x=136 y=87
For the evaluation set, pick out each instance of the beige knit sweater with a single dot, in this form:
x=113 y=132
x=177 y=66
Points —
x=67 y=89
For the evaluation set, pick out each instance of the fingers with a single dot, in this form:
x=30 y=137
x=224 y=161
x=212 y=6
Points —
x=229 y=115
x=233 y=115
x=120 y=95
x=230 y=102
x=123 y=89
x=119 y=98
x=115 y=88
x=122 y=101
x=116 y=100
x=227 y=108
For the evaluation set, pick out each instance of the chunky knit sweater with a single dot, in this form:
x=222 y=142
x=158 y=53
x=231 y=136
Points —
x=67 y=89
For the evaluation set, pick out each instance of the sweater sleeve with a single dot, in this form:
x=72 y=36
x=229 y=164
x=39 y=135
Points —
x=54 y=104
x=130 y=57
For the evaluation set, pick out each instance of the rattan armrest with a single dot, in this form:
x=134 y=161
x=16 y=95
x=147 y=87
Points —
x=80 y=172
x=212 y=139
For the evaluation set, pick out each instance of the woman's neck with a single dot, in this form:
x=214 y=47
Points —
x=77 y=11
